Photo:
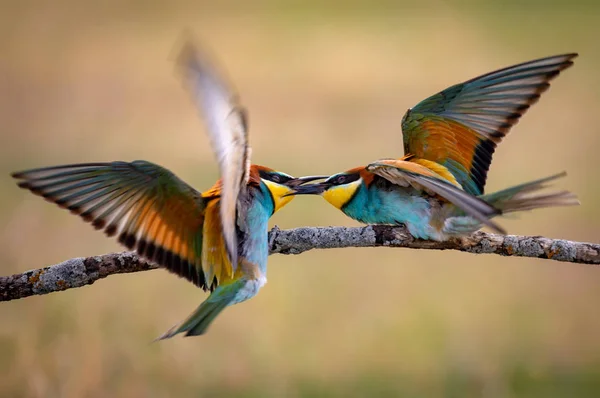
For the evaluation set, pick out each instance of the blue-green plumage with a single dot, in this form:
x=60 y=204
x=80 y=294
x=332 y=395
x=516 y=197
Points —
x=373 y=199
x=254 y=245
x=383 y=203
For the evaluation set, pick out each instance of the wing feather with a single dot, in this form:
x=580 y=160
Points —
x=228 y=131
x=406 y=173
x=461 y=126
x=146 y=206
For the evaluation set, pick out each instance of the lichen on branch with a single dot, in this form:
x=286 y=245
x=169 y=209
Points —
x=83 y=271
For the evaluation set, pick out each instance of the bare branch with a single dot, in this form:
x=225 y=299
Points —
x=79 y=272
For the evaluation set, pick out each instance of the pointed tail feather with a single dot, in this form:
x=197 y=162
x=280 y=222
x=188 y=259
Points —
x=201 y=326
x=197 y=323
x=526 y=197
x=227 y=294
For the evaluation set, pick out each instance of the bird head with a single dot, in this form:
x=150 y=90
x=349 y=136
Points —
x=337 y=189
x=280 y=185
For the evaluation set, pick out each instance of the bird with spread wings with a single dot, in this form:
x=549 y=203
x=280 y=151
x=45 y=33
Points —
x=437 y=188
x=216 y=239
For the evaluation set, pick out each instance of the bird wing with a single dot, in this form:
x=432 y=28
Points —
x=461 y=126
x=228 y=131
x=146 y=206
x=215 y=260
x=406 y=173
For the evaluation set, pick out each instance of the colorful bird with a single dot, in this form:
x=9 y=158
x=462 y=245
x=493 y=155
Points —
x=216 y=239
x=437 y=188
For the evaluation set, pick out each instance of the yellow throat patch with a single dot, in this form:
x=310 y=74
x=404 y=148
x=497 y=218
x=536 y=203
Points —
x=339 y=195
x=277 y=192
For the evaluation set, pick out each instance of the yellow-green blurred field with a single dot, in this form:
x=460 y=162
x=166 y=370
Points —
x=326 y=84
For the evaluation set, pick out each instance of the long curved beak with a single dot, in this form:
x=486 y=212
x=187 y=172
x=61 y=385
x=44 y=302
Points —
x=297 y=182
x=312 y=189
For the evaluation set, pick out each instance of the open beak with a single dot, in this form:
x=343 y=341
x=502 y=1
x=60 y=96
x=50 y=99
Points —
x=297 y=182
x=311 y=189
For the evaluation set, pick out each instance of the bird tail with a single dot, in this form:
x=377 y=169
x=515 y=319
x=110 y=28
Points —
x=526 y=196
x=197 y=323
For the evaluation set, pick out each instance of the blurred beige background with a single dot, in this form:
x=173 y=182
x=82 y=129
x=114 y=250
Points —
x=326 y=87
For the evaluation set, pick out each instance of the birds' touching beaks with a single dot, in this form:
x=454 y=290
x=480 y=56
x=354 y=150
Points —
x=216 y=239
x=437 y=188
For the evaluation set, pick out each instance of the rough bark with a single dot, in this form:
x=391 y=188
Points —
x=79 y=272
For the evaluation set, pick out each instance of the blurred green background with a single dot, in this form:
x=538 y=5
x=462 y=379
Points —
x=326 y=84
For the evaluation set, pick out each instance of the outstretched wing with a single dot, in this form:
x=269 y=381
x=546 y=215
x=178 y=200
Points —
x=227 y=127
x=146 y=206
x=406 y=173
x=461 y=126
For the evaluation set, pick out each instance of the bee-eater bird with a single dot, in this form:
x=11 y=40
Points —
x=216 y=239
x=437 y=188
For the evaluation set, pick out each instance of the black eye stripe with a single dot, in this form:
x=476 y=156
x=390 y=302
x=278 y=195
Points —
x=344 y=179
x=275 y=177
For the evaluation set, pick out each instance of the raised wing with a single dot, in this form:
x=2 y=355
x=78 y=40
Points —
x=461 y=126
x=227 y=127
x=405 y=173
x=146 y=206
x=215 y=262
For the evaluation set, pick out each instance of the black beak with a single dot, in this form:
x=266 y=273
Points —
x=312 y=189
x=297 y=182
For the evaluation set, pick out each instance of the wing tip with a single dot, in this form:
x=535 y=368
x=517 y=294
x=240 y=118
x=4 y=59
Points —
x=191 y=53
x=25 y=185
x=185 y=51
x=126 y=239
x=19 y=175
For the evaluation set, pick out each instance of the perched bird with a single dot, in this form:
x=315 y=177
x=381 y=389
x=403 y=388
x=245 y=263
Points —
x=216 y=239
x=437 y=188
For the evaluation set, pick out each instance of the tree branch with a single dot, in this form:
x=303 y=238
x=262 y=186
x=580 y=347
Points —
x=79 y=272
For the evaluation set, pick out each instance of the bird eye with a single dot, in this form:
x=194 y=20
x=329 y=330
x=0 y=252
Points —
x=275 y=178
x=341 y=179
